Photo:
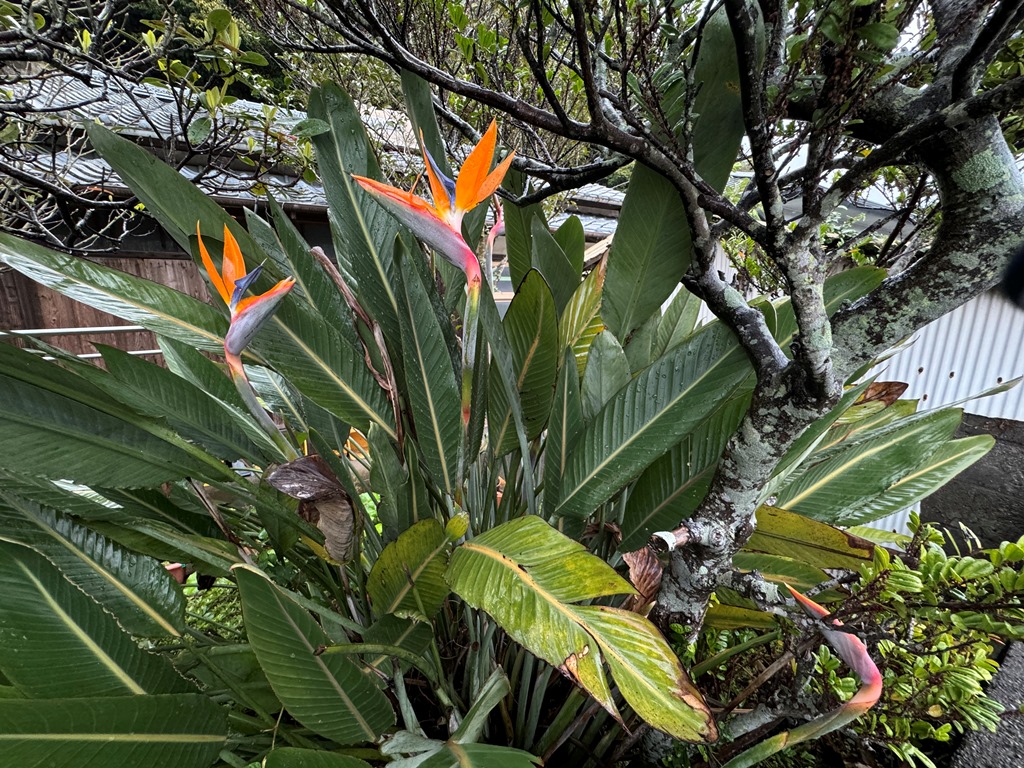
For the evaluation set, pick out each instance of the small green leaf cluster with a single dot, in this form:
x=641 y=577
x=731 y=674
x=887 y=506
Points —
x=934 y=622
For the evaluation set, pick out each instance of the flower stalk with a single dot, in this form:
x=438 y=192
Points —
x=248 y=315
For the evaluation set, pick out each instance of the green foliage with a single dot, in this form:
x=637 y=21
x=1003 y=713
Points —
x=411 y=575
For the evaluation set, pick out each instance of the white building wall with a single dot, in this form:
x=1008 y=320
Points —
x=972 y=349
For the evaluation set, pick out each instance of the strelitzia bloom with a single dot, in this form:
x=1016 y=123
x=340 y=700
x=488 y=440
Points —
x=854 y=652
x=439 y=224
x=248 y=315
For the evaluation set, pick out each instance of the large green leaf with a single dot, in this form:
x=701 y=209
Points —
x=290 y=253
x=326 y=693
x=54 y=424
x=321 y=363
x=607 y=373
x=835 y=487
x=506 y=379
x=531 y=328
x=137 y=589
x=551 y=261
x=650 y=415
x=157 y=392
x=677 y=323
x=652 y=246
x=529 y=578
x=169 y=731
x=519 y=228
x=168 y=542
x=581 y=322
x=364 y=232
x=292 y=757
x=55 y=640
x=431 y=386
x=942 y=466
x=171 y=199
x=408 y=577
x=779 y=532
x=155 y=307
x=671 y=488
x=564 y=426
x=572 y=239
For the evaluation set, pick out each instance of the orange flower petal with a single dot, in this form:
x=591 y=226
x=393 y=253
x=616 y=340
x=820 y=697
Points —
x=437 y=189
x=282 y=286
x=474 y=171
x=233 y=266
x=493 y=181
x=211 y=270
x=407 y=199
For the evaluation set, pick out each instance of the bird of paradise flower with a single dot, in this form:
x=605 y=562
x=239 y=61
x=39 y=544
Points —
x=248 y=315
x=439 y=225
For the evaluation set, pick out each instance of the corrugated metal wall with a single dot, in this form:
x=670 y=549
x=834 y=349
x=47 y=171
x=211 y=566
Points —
x=972 y=349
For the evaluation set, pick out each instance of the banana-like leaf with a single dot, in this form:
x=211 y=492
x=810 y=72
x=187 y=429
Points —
x=408 y=577
x=639 y=348
x=530 y=578
x=159 y=393
x=172 y=200
x=734 y=617
x=189 y=363
x=572 y=239
x=168 y=731
x=677 y=323
x=564 y=426
x=137 y=589
x=519 y=228
x=364 y=232
x=155 y=307
x=506 y=380
x=811 y=439
x=834 y=488
x=413 y=636
x=788 y=534
x=54 y=424
x=671 y=488
x=780 y=570
x=432 y=390
x=650 y=415
x=55 y=640
x=607 y=372
x=326 y=693
x=551 y=261
x=322 y=364
x=942 y=466
x=290 y=252
x=432 y=753
x=531 y=328
x=581 y=321
x=652 y=246
x=293 y=757
x=167 y=542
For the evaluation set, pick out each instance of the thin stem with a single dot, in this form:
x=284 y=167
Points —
x=245 y=389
